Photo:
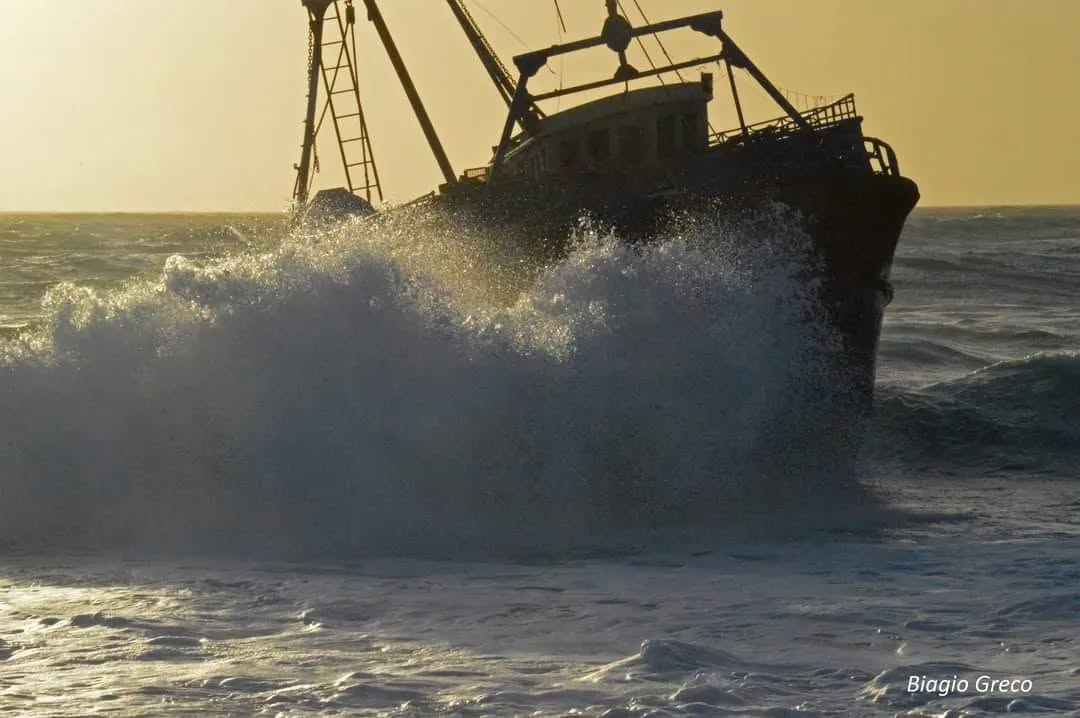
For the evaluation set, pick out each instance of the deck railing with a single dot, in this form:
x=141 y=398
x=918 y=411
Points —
x=479 y=174
x=881 y=156
x=818 y=118
x=876 y=153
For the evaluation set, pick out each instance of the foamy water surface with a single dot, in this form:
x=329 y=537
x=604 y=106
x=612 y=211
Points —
x=351 y=473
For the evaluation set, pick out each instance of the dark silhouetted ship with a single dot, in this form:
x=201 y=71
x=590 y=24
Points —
x=635 y=158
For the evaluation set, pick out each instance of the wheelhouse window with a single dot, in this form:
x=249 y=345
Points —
x=569 y=153
x=665 y=137
x=691 y=135
x=598 y=146
x=631 y=144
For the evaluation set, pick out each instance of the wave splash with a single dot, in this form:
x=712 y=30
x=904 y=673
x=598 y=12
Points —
x=1006 y=419
x=332 y=395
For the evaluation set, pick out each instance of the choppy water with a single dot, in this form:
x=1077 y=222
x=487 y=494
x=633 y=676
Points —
x=328 y=475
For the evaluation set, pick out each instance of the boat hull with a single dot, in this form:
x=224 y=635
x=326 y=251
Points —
x=855 y=224
x=853 y=219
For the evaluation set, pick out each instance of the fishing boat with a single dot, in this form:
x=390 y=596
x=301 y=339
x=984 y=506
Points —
x=634 y=158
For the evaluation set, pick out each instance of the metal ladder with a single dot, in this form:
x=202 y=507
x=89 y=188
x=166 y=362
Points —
x=343 y=101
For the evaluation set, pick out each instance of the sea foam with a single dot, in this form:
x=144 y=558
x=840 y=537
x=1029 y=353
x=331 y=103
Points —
x=355 y=390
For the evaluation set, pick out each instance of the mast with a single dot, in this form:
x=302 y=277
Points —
x=495 y=69
x=317 y=13
x=410 y=90
x=735 y=97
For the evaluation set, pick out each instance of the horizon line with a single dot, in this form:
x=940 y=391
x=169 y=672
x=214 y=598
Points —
x=284 y=212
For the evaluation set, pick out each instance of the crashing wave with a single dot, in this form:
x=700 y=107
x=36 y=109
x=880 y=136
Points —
x=345 y=392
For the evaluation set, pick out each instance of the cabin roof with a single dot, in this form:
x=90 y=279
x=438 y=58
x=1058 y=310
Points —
x=623 y=102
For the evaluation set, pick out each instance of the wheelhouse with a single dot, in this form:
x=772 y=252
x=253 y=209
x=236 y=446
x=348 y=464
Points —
x=647 y=129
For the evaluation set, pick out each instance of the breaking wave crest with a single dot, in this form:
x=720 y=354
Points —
x=1008 y=418
x=337 y=393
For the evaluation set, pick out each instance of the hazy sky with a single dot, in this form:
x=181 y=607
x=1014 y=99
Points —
x=197 y=104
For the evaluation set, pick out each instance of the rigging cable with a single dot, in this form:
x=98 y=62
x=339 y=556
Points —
x=560 y=30
x=663 y=49
x=508 y=29
x=558 y=11
x=502 y=24
x=805 y=101
x=644 y=49
x=656 y=37
x=315 y=133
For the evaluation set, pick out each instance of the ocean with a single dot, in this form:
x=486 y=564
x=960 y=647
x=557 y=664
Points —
x=352 y=472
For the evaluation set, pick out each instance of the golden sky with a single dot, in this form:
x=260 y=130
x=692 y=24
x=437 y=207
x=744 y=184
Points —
x=142 y=105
